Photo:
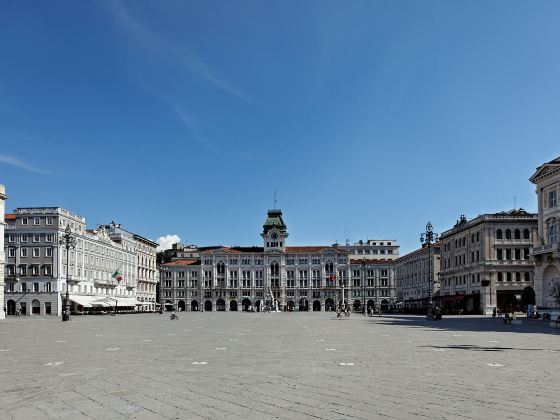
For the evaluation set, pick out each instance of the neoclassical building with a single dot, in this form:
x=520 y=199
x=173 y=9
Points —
x=414 y=272
x=546 y=252
x=37 y=264
x=3 y=198
x=486 y=262
x=373 y=249
x=300 y=278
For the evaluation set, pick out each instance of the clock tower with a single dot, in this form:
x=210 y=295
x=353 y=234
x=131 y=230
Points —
x=274 y=231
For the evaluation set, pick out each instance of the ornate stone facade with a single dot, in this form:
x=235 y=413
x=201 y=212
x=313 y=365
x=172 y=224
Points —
x=546 y=252
x=300 y=278
x=3 y=198
x=486 y=263
x=102 y=269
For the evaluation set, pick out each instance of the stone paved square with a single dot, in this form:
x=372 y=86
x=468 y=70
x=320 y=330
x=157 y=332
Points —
x=279 y=365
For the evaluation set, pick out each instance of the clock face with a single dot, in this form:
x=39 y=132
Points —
x=274 y=235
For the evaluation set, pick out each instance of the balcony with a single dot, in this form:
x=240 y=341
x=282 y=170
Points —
x=545 y=249
x=72 y=279
x=512 y=262
x=103 y=283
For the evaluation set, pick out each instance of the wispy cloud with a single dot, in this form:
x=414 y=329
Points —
x=188 y=120
x=18 y=163
x=185 y=58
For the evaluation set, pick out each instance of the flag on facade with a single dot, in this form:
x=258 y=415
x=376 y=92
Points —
x=332 y=277
x=117 y=276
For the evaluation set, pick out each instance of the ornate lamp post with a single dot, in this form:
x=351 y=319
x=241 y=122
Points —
x=429 y=237
x=67 y=240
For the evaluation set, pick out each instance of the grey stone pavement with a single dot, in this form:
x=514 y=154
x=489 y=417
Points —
x=287 y=366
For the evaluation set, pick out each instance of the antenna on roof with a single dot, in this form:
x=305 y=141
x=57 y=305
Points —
x=514 y=202
x=275 y=199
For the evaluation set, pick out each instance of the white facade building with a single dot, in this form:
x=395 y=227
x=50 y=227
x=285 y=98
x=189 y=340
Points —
x=373 y=249
x=546 y=252
x=300 y=278
x=102 y=269
x=147 y=272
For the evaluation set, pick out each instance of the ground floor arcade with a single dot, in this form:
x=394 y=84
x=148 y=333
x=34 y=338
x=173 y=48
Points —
x=258 y=304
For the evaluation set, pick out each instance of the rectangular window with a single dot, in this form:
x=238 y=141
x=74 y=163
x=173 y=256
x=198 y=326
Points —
x=48 y=270
x=36 y=221
x=11 y=237
x=11 y=252
x=49 y=221
x=49 y=237
x=553 y=233
x=48 y=252
x=35 y=287
x=24 y=221
x=36 y=237
x=23 y=270
x=36 y=252
x=23 y=237
x=24 y=287
x=35 y=270
x=23 y=252
x=552 y=199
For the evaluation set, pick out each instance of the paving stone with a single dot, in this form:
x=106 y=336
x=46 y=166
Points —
x=277 y=366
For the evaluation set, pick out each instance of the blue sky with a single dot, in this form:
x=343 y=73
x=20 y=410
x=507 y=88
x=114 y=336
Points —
x=368 y=118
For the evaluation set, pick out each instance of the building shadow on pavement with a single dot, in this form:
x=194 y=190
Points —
x=466 y=323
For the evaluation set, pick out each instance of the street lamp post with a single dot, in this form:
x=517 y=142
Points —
x=429 y=237
x=343 y=300
x=67 y=240
x=162 y=271
x=364 y=286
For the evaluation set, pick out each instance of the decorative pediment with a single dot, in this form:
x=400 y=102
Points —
x=552 y=167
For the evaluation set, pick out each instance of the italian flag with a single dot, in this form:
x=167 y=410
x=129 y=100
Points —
x=117 y=276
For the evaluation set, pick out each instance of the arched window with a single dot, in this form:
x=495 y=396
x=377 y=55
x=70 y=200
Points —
x=526 y=234
x=517 y=276
x=499 y=234
x=500 y=277
x=517 y=234
x=527 y=277
x=508 y=234
x=508 y=276
x=274 y=268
